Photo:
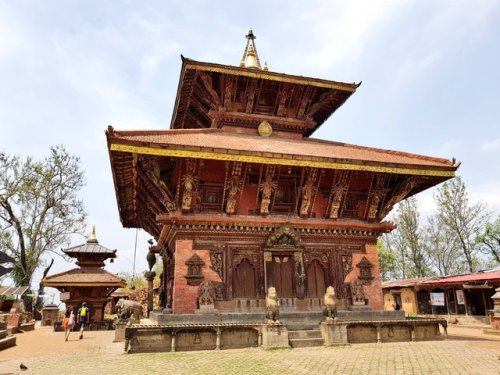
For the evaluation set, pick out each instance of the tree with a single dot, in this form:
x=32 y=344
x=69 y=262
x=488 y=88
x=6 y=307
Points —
x=442 y=248
x=464 y=221
x=490 y=239
x=387 y=261
x=39 y=207
x=408 y=220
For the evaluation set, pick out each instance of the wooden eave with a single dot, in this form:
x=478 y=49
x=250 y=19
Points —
x=446 y=169
x=319 y=98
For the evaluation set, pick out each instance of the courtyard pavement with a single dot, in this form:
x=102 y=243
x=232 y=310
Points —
x=467 y=351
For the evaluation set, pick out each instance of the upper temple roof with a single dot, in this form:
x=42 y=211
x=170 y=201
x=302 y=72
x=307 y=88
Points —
x=216 y=96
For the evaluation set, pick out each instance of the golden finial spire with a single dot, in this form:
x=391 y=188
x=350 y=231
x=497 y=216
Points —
x=92 y=237
x=250 y=57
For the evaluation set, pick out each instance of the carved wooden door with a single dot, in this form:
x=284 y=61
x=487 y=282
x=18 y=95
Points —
x=244 y=280
x=315 y=280
x=283 y=275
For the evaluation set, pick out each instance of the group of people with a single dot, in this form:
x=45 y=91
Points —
x=70 y=320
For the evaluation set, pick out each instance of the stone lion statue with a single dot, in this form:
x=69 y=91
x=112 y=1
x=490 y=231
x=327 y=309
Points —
x=126 y=309
x=272 y=305
x=330 y=302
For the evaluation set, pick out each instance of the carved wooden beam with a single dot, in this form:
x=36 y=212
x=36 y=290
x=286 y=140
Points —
x=340 y=186
x=257 y=119
x=401 y=191
x=150 y=171
x=208 y=84
x=324 y=99
x=307 y=93
x=250 y=96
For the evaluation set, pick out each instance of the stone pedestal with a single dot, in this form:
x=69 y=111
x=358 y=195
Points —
x=494 y=314
x=334 y=332
x=120 y=326
x=50 y=315
x=274 y=336
x=150 y=275
x=206 y=309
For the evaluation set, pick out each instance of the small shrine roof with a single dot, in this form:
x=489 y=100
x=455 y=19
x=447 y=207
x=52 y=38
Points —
x=90 y=247
x=219 y=144
x=84 y=277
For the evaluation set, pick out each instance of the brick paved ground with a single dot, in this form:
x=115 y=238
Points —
x=468 y=351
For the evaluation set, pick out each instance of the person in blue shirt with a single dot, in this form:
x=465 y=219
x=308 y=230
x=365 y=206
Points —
x=83 y=317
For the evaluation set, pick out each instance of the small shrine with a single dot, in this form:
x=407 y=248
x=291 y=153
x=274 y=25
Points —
x=89 y=283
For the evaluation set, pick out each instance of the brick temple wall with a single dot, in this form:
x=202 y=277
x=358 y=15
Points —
x=373 y=291
x=185 y=297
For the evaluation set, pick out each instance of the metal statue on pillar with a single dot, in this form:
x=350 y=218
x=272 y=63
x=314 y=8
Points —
x=150 y=275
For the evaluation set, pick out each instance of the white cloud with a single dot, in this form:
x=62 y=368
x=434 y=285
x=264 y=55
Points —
x=490 y=145
x=344 y=30
x=10 y=39
x=488 y=193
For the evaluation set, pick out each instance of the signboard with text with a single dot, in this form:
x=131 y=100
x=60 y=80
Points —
x=460 y=297
x=64 y=296
x=437 y=299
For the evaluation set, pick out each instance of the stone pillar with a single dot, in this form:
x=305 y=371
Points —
x=334 y=332
x=218 y=332
x=150 y=275
x=274 y=336
x=172 y=343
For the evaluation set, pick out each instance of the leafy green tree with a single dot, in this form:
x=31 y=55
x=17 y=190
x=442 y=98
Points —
x=490 y=239
x=463 y=220
x=408 y=219
x=442 y=248
x=388 y=262
x=39 y=208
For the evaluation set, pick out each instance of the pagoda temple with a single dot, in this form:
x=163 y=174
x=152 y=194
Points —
x=238 y=193
x=89 y=283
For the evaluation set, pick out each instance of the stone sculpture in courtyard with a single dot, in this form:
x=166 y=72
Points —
x=272 y=305
x=330 y=302
x=129 y=310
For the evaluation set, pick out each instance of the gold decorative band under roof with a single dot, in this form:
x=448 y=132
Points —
x=70 y=283
x=144 y=150
x=263 y=74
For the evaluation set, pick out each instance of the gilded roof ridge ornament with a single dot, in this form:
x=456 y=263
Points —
x=92 y=237
x=250 y=57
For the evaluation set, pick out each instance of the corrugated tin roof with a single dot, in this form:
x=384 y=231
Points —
x=404 y=283
x=471 y=277
x=16 y=290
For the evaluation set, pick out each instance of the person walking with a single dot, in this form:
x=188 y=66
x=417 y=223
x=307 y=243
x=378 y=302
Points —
x=68 y=322
x=83 y=317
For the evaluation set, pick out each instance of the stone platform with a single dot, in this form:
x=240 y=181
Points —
x=296 y=328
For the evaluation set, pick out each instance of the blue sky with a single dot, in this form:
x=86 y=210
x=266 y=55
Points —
x=430 y=72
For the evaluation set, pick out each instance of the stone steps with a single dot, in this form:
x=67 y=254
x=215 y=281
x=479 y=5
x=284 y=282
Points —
x=305 y=338
x=5 y=340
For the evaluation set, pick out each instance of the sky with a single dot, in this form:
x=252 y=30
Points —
x=430 y=72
